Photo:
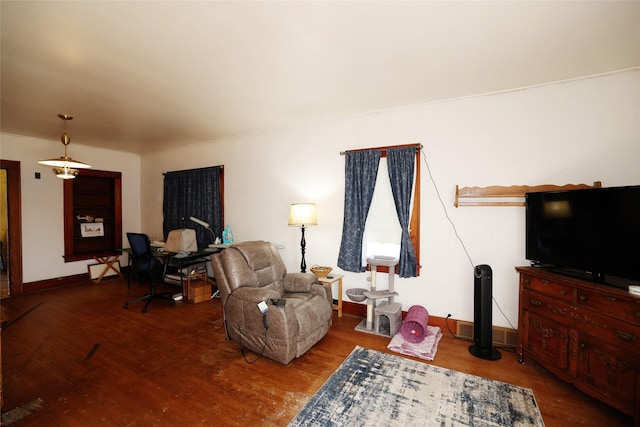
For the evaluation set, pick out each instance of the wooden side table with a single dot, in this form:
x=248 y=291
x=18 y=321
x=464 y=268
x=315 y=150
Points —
x=329 y=281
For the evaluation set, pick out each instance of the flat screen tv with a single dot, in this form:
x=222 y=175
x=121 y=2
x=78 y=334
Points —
x=592 y=234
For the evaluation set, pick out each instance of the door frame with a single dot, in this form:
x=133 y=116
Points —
x=14 y=218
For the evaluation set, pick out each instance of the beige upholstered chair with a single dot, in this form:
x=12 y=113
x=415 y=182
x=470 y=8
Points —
x=251 y=272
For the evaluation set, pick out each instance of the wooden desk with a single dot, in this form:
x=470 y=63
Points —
x=329 y=281
x=201 y=255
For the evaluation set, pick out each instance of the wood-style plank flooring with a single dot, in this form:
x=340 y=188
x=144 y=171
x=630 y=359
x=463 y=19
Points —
x=94 y=363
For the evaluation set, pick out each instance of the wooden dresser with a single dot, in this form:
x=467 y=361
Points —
x=585 y=333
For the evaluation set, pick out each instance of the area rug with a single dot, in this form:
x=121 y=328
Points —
x=425 y=349
x=371 y=388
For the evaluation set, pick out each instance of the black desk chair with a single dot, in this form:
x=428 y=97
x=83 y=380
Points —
x=145 y=266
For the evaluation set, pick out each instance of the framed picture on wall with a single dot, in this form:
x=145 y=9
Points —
x=92 y=229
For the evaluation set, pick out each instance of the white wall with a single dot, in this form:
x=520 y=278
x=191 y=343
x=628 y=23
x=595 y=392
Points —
x=569 y=132
x=42 y=201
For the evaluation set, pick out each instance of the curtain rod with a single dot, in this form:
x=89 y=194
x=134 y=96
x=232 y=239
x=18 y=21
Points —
x=418 y=147
x=196 y=169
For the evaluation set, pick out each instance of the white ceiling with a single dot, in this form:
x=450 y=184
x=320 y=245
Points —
x=143 y=76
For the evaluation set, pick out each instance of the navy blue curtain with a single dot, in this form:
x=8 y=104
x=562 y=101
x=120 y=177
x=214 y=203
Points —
x=401 y=165
x=361 y=170
x=197 y=193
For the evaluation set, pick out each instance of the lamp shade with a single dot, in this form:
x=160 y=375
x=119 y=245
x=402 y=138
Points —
x=199 y=221
x=64 y=162
x=65 y=167
x=303 y=214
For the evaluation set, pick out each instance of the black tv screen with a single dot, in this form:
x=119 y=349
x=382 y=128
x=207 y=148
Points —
x=593 y=233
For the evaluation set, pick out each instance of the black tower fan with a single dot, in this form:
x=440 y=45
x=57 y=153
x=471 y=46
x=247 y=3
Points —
x=482 y=316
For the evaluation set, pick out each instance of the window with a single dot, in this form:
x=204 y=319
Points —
x=362 y=167
x=382 y=230
x=197 y=193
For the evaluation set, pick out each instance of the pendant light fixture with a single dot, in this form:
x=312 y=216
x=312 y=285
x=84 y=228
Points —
x=65 y=167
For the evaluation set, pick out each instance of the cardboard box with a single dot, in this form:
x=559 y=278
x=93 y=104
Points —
x=197 y=288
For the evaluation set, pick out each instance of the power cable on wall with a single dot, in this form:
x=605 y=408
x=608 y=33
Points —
x=455 y=231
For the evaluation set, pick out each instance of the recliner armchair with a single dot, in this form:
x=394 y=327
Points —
x=250 y=272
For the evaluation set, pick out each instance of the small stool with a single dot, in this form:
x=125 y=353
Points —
x=392 y=311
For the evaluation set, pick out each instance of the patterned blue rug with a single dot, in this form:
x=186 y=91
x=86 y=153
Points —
x=371 y=388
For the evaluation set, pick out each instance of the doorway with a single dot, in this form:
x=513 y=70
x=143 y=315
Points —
x=4 y=277
x=11 y=231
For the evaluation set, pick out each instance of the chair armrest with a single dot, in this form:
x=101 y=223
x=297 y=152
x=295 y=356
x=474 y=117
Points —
x=255 y=295
x=299 y=282
x=323 y=291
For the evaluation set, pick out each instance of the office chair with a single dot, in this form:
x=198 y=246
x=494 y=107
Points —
x=145 y=266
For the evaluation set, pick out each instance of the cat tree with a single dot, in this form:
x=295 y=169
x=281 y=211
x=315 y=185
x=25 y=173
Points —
x=381 y=308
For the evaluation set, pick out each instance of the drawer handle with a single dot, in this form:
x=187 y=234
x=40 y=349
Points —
x=611 y=298
x=625 y=336
x=526 y=281
x=535 y=302
x=583 y=297
x=638 y=313
x=545 y=281
x=563 y=292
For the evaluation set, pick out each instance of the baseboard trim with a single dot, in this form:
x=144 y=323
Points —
x=503 y=337
x=60 y=282
x=361 y=310
x=57 y=282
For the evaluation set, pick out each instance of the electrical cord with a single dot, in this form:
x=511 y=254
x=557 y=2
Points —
x=242 y=349
x=446 y=322
x=455 y=231
x=264 y=345
x=224 y=315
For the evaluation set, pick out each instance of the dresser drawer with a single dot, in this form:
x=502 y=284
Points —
x=607 y=328
x=620 y=307
x=549 y=307
x=557 y=290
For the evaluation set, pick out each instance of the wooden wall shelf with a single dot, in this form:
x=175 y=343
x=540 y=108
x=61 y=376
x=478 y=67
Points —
x=490 y=196
x=97 y=194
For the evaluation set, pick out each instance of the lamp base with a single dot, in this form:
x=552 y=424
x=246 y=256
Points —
x=303 y=244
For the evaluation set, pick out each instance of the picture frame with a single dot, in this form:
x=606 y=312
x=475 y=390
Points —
x=92 y=229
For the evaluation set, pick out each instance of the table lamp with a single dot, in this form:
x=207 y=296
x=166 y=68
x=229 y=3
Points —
x=205 y=225
x=302 y=215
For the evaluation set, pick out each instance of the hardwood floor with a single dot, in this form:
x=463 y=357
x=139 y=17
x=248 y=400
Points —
x=94 y=363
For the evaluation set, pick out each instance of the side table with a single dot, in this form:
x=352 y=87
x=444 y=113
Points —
x=329 y=281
